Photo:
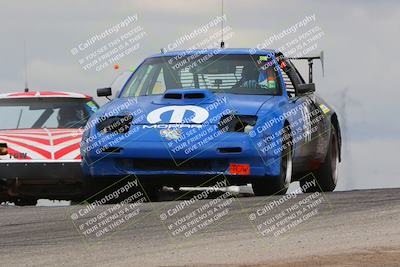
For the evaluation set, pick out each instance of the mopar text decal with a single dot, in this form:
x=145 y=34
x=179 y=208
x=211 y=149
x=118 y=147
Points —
x=177 y=114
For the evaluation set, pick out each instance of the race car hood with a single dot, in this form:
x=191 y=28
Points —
x=179 y=106
x=41 y=144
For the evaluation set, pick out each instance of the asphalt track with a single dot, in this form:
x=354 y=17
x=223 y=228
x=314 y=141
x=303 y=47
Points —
x=355 y=228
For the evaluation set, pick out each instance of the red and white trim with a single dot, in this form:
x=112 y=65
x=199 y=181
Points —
x=42 y=144
x=33 y=94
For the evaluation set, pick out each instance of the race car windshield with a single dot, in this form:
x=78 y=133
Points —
x=39 y=113
x=236 y=74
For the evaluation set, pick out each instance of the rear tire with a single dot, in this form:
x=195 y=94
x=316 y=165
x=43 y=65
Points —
x=278 y=184
x=327 y=174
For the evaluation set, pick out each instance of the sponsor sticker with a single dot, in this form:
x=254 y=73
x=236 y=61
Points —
x=324 y=108
x=92 y=106
x=239 y=169
x=171 y=134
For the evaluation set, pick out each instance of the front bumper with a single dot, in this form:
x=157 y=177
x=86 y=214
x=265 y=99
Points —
x=149 y=159
x=53 y=180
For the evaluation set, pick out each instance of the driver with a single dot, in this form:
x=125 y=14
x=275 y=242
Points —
x=258 y=77
x=70 y=118
x=250 y=76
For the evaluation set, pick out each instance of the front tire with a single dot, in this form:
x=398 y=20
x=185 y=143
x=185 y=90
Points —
x=327 y=175
x=278 y=184
x=152 y=193
x=25 y=202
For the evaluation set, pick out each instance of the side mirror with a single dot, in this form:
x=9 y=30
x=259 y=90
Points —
x=305 y=88
x=104 y=92
x=3 y=149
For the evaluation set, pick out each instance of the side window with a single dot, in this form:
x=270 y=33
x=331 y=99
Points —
x=289 y=84
x=159 y=86
x=142 y=84
x=139 y=82
x=120 y=81
x=291 y=77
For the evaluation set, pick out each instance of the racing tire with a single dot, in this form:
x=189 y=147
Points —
x=327 y=175
x=278 y=185
x=25 y=202
x=152 y=193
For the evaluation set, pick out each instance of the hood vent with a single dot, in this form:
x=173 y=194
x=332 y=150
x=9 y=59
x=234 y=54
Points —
x=185 y=96
x=173 y=96
x=194 y=95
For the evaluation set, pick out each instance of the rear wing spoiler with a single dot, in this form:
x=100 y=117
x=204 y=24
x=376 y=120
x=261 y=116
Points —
x=310 y=64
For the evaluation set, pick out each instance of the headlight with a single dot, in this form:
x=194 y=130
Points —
x=237 y=123
x=117 y=124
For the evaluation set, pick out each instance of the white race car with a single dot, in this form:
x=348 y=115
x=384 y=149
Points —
x=40 y=135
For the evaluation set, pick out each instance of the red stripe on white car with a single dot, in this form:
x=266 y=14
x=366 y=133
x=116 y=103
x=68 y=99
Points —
x=43 y=144
x=12 y=137
x=66 y=150
x=25 y=148
x=32 y=94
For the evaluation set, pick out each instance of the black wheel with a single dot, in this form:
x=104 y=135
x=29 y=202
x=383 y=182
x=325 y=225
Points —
x=327 y=174
x=152 y=193
x=278 y=184
x=25 y=202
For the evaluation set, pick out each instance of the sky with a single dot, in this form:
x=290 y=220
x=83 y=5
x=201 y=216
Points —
x=360 y=41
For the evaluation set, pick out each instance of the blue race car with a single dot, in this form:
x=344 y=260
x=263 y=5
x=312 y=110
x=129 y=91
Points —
x=187 y=117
